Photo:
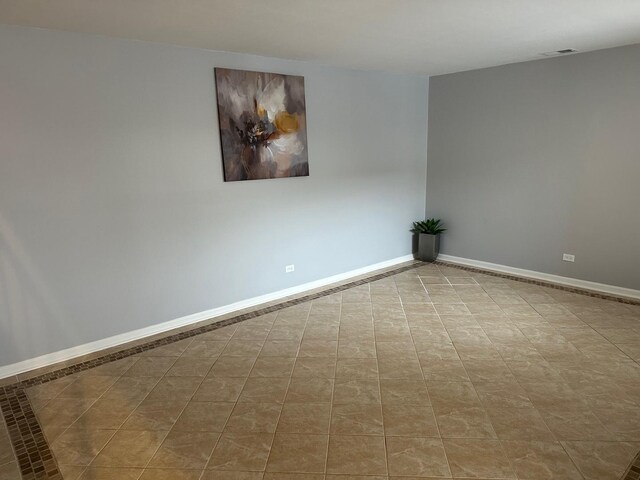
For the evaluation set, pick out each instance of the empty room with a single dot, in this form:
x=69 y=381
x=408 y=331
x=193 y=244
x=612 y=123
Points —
x=319 y=240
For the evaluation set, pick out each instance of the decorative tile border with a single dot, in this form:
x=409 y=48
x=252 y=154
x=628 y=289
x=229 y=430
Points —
x=30 y=446
x=542 y=283
x=633 y=473
x=34 y=456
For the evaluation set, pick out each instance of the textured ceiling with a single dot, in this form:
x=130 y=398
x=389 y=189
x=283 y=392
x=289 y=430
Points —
x=420 y=36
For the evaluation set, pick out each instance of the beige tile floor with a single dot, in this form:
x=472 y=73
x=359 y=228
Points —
x=431 y=373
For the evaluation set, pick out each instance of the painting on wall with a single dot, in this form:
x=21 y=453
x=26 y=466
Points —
x=262 y=121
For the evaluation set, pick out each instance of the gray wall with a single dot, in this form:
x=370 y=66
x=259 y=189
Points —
x=113 y=210
x=530 y=161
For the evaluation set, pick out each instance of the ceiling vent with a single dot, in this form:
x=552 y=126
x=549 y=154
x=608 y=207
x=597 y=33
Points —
x=564 y=51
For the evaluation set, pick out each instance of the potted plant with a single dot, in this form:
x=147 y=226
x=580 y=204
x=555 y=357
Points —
x=428 y=232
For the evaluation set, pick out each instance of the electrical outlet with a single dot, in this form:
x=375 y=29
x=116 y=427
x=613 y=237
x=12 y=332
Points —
x=289 y=268
x=567 y=257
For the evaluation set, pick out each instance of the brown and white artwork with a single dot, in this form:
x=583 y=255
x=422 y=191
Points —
x=263 y=128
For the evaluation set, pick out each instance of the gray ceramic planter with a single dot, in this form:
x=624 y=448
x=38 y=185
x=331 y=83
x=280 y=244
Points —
x=428 y=247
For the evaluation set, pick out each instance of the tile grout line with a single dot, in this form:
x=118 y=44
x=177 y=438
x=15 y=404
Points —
x=333 y=389
x=204 y=470
x=215 y=444
x=235 y=403
x=275 y=431
x=377 y=357
x=435 y=419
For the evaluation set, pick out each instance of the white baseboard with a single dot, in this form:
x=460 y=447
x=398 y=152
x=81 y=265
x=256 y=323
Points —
x=87 y=348
x=547 y=277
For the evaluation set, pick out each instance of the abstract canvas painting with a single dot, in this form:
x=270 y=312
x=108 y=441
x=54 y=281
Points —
x=263 y=128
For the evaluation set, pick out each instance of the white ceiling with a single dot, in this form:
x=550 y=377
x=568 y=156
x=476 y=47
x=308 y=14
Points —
x=420 y=36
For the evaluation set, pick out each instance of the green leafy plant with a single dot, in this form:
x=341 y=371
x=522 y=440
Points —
x=432 y=226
